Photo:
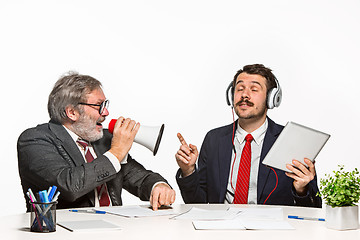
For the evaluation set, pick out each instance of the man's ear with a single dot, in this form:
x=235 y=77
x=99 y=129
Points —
x=72 y=113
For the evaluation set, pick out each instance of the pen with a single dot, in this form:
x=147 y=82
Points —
x=87 y=211
x=53 y=200
x=306 y=218
x=44 y=196
x=51 y=192
x=32 y=195
x=33 y=199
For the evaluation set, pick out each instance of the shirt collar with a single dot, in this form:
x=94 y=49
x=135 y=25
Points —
x=258 y=134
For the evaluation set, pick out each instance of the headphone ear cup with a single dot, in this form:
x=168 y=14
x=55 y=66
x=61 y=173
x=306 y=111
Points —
x=230 y=95
x=270 y=98
x=274 y=98
x=278 y=98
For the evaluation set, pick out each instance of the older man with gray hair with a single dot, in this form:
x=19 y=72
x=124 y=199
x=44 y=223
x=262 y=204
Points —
x=72 y=151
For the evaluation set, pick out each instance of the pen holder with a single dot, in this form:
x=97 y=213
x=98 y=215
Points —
x=43 y=217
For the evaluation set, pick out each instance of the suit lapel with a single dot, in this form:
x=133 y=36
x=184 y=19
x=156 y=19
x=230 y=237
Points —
x=224 y=161
x=71 y=150
x=270 y=137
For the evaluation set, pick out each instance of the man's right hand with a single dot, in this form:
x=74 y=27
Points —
x=124 y=133
x=186 y=157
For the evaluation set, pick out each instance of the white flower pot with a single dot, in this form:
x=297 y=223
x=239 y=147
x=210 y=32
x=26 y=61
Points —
x=342 y=218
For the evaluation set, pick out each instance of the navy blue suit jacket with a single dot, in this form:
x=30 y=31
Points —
x=208 y=183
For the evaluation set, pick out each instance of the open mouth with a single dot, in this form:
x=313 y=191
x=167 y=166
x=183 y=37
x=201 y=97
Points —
x=100 y=121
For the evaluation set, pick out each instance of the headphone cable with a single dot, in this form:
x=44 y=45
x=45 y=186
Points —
x=274 y=187
x=233 y=145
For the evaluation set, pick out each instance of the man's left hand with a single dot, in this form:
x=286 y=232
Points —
x=301 y=174
x=162 y=194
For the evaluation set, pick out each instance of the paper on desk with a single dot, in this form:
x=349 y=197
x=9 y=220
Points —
x=233 y=224
x=202 y=214
x=240 y=224
x=248 y=218
x=261 y=213
x=88 y=225
x=267 y=224
x=136 y=211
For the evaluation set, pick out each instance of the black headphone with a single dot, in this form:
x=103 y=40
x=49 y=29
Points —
x=273 y=98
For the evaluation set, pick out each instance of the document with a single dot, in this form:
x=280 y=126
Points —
x=240 y=224
x=261 y=213
x=203 y=214
x=233 y=224
x=248 y=218
x=88 y=225
x=136 y=211
x=267 y=225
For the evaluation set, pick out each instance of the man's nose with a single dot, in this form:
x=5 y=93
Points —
x=105 y=112
x=245 y=93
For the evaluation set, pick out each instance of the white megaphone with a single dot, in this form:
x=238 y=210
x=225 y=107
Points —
x=146 y=136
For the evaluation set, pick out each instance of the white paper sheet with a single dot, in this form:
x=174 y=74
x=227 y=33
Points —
x=203 y=214
x=136 y=211
x=267 y=225
x=88 y=225
x=233 y=224
x=248 y=218
x=261 y=213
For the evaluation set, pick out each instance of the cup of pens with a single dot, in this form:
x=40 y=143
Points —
x=43 y=212
x=43 y=217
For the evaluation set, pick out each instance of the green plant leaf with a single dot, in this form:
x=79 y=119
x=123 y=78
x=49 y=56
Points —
x=340 y=189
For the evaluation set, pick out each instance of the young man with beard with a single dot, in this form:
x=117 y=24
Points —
x=230 y=169
x=73 y=151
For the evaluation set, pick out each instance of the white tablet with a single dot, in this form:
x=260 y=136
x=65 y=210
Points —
x=295 y=142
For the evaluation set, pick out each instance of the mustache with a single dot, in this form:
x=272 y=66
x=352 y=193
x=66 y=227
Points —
x=244 y=101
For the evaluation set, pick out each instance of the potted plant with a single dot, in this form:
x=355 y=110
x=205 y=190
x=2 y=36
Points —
x=341 y=192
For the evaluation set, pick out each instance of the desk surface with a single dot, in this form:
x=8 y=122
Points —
x=17 y=227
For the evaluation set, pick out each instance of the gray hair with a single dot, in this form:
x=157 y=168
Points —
x=68 y=91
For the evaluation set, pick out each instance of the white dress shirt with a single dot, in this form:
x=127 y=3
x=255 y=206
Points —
x=256 y=146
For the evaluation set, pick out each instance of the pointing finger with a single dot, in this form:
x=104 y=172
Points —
x=181 y=139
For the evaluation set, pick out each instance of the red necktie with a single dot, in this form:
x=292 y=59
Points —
x=242 y=182
x=104 y=199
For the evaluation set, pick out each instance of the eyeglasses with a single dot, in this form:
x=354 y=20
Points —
x=102 y=106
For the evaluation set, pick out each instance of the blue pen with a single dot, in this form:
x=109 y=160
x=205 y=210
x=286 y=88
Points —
x=306 y=218
x=51 y=193
x=44 y=196
x=87 y=211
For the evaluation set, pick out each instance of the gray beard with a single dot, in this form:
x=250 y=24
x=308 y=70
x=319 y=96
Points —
x=82 y=129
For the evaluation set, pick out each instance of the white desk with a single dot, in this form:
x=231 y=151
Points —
x=147 y=228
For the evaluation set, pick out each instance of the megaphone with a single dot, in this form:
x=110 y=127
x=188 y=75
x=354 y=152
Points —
x=147 y=136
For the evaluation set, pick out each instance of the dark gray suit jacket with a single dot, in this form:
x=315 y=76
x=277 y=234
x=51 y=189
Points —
x=47 y=155
x=209 y=182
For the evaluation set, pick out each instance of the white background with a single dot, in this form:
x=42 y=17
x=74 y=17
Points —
x=171 y=61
